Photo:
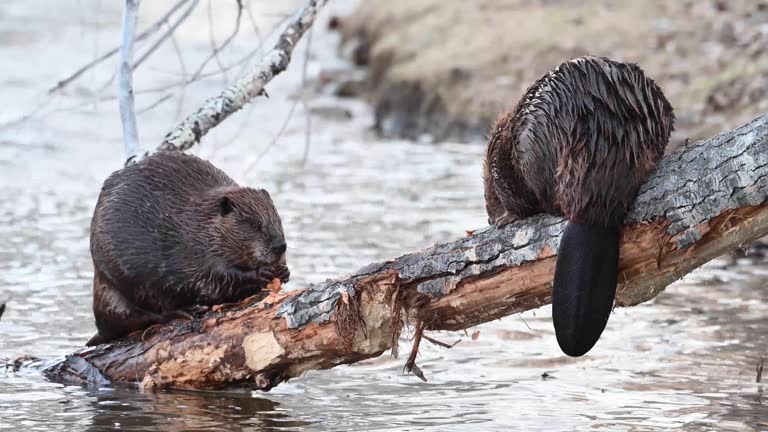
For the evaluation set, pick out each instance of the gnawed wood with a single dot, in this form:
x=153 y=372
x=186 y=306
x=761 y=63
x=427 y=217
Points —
x=703 y=200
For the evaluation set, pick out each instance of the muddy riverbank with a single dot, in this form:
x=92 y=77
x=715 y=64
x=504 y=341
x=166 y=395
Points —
x=440 y=70
x=685 y=360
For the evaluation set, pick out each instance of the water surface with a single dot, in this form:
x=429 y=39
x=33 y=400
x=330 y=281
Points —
x=686 y=359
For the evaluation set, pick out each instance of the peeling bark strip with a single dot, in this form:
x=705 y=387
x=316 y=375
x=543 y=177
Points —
x=216 y=109
x=704 y=199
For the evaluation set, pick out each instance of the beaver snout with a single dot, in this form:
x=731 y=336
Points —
x=278 y=248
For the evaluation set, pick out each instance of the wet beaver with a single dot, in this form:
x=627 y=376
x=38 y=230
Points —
x=580 y=143
x=172 y=233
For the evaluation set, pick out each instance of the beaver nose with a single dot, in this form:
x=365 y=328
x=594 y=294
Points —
x=278 y=248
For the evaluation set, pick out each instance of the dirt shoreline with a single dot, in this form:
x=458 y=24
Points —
x=442 y=70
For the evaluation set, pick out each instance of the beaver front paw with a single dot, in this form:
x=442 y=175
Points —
x=282 y=272
x=504 y=219
x=195 y=310
x=260 y=278
x=185 y=313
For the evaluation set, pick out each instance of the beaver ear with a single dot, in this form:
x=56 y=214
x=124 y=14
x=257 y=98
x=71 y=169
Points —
x=264 y=191
x=225 y=206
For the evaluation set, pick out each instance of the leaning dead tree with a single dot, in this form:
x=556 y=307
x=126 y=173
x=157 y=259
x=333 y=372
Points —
x=704 y=199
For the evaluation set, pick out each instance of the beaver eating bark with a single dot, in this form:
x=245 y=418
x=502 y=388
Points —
x=580 y=143
x=172 y=233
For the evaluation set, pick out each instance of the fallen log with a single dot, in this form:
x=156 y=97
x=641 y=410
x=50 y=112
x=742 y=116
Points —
x=704 y=199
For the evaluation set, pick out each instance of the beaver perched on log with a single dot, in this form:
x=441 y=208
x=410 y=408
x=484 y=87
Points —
x=173 y=233
x=580 y=143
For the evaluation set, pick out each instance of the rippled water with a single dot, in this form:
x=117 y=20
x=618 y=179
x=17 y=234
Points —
x=686 y=359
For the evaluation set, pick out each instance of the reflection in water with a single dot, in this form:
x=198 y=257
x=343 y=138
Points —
x=687 y=359
x=126 y=409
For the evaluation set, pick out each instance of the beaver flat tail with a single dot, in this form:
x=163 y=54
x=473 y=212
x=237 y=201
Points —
x=584 y=285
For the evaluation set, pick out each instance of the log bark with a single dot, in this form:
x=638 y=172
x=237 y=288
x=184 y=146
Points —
x=703 y=200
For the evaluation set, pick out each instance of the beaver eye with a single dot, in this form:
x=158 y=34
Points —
x=256 y=226
x=225 y=206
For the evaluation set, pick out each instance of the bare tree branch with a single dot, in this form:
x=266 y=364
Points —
x=218 y=108
x=155 y=104
x=288 y=117
x=243 y=62
x=23 y=118
x=703 y=200
x=275 y=138
x=307 y=112
x=215 y=49
x=212 y=41
x=143 y=35
x=252 y=20
x=133 y=150
x=167 y=34
x=183 y=67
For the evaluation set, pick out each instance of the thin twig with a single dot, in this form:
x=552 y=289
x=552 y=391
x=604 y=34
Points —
x=183 y=66
x=215 y=110
x=163 y=20
x=32 y=113
x=215 y=50
x=143 y=35
x=524 y=321
x=108 y=83
x=212 y=39
x=183 y=82
x=125 y=87
x=276 y=137
x=410 y=364
x=259 y=36
x=167 y=34
x=439 y=343
x=252 y=20
x=240 y=128
x=154 y=104
x=307 y=113
x=243 y=61
x=290 y=115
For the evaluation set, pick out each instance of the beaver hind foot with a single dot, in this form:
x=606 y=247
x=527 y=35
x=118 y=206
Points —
x=142 y=319
x=584 y=285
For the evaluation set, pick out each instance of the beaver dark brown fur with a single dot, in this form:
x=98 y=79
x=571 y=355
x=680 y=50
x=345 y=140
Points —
x=580 y=143
x=173 y=232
